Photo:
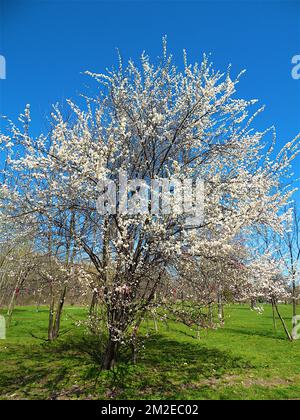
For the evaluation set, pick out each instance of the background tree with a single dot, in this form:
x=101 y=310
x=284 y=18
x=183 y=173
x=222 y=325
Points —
x=289 y=253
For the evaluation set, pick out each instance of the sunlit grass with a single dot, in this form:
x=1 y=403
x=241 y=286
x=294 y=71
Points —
x=246 y=359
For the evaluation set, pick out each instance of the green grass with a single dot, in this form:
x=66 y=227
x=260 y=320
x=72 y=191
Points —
x=246 y=359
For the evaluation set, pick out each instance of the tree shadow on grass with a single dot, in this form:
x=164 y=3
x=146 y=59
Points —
x=273 y=335
x=36 y=370
x=164 y=352
x=165 y=368
x=170 y=369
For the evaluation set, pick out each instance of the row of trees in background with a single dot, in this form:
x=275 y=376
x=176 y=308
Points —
x=154 y=121
x=36 y=279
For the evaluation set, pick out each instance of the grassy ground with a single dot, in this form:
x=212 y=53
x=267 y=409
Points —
x=246 y=359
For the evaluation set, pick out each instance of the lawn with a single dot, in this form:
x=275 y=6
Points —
x=246 y=359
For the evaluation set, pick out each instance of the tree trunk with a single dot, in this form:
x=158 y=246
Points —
x=154 y=315
x=210 y=314
x=11 y=307
x=93 y=303
x=274 y=318
x=110 y=355
x=59 y=312
x=54 y=323
x=13 y=299
x=50 y=324
x=220 y=309
x=155 y=322
x=283 y=323
x=294 y=303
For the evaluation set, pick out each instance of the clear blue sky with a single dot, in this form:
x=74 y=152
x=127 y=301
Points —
x=47 y=44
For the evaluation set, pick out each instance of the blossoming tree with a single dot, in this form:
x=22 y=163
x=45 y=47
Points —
x=153 y=121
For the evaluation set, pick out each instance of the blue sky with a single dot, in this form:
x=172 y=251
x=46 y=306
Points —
x=48 y=44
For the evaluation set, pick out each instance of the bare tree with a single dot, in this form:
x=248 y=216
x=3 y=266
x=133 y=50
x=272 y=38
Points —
x=289 y=252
